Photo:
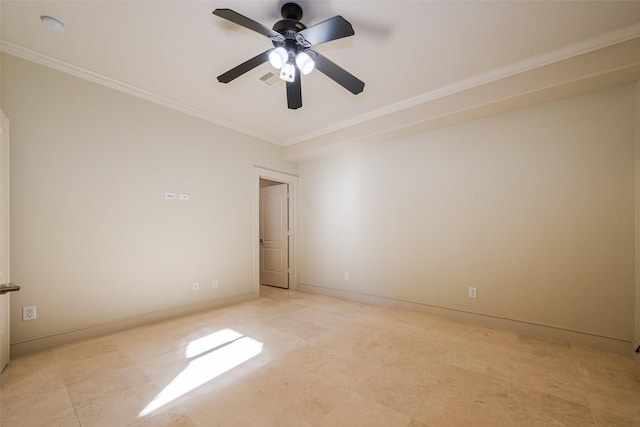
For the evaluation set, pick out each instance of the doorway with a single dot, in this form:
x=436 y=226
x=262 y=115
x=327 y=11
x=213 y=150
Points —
x=274 y=234
x=274 y=230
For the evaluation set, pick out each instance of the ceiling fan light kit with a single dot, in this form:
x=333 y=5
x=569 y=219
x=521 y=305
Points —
x=292 y=53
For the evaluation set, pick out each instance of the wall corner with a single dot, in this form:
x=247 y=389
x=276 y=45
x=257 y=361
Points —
x=637 y=207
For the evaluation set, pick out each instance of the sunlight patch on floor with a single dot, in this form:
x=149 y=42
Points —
x=218 y=353
x=210 y=342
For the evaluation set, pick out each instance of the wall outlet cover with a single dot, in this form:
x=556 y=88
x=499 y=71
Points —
x=29 y=313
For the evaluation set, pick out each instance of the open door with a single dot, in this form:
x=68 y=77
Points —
x=274 y=236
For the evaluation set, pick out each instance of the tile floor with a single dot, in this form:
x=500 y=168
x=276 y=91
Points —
x=295 y=359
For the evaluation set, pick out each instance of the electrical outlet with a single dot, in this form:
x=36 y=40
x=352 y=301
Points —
x=473 y=292
x=214 y=283
x=29 y=313
x=196 y=286
x=346 y=275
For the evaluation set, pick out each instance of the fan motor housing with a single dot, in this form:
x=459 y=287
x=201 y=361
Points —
x=286 y=25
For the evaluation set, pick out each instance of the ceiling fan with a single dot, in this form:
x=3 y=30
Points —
x=292 y=53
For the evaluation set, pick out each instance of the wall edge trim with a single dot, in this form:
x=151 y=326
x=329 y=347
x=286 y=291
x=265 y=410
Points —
x=553 y=333
x=42 y=343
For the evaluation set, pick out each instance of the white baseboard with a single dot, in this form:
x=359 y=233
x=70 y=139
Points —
x=526 y=328
x=33 y=345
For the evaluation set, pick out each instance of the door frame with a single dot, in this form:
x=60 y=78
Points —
x=292 y=181
x=5 y=300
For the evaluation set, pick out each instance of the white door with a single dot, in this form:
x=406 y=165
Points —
x=274 y=236
x=4 y=239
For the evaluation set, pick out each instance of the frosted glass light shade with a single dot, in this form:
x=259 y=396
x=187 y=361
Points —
x=278 y=57
x=305 y=63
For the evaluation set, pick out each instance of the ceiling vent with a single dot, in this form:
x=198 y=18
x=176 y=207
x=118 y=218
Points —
x=272 y=80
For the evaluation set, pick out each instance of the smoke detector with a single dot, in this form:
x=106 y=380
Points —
x=52 y=23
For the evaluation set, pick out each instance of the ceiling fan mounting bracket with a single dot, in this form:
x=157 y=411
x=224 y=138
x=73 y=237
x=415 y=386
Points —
x=291 y=11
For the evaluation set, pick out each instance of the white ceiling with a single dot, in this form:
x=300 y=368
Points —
x=424 y=63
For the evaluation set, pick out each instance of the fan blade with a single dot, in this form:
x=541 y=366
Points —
x=244 y=67
x=242 y=20
x=294 y=93
x=331 y=29
x=339 y=74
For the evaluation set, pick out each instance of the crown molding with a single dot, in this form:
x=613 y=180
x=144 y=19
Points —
x=496 y=74
x=83 y=73
x=537 y=61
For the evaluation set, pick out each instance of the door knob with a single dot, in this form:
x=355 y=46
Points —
x=8 y=287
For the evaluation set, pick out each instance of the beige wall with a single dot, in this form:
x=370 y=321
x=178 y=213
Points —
x=0 y=57
x=535 y=208
x=93 y=238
